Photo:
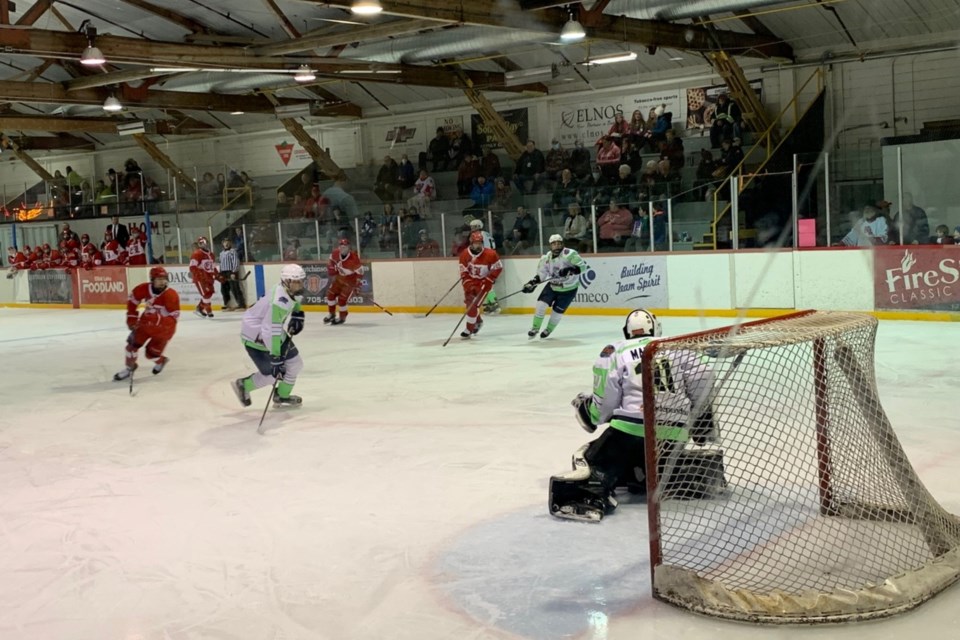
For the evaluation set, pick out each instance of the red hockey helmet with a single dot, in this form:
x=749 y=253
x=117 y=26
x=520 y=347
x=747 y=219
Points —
x=108 y=235
x=158 y=272
x=344 y=242
x=84 y=238
x=46 y=246
x=202 y=241
x=476 y=236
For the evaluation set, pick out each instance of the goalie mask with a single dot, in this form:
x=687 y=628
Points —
x=640 y=323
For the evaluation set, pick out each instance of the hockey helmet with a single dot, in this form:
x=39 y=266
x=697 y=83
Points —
x=108 y=235
x=344 y=242
x=158 y=272
x=641 y=320
x=292 y=272
x=476 y=224
x=84 y=238
x=202 y=241
x=46 y=246
x=476 y=236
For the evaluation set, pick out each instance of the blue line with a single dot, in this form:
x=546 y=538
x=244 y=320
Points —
x=55 y=335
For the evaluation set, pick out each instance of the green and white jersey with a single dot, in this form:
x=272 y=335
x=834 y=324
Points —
x=549 y=268
x=678 y=377
x=262 y=326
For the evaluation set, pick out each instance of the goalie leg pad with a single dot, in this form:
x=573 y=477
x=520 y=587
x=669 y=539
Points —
x=575 y=496
x=697 y=475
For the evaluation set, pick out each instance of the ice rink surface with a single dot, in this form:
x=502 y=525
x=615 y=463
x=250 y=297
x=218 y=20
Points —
x=406 y=499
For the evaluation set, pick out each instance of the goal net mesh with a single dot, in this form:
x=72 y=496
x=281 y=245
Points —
x=817 y=515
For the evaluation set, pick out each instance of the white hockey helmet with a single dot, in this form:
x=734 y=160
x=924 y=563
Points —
x=476 y=223
x=641 y=320
x=292 y=272
x=555 y=238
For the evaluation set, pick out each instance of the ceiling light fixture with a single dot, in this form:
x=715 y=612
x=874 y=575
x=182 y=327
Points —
x=573 y=30
x=304 y=74
x=111 y=104
x=366 y=7
x=617 y=57
x=91 y=56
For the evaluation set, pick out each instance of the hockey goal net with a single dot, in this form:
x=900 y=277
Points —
x=807 y=509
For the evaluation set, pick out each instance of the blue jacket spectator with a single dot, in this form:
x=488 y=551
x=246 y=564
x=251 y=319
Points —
x=482 y=192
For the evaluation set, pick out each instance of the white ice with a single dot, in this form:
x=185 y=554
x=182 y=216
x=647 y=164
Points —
x=406 y=499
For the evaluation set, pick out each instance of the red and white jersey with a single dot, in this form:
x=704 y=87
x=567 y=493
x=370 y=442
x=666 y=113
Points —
x=113 y=254
x=202 y=265
x=71 y=258
x=485 y=265
x=345 y=267
x=135 y=253
x=90 y=256
x=55 y=261
x=160 y=309
x=18 y=261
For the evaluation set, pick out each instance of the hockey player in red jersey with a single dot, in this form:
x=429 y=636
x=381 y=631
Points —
x=479 y=269
x=71 y=257
x=113 y=253
x=155 y=326
x=136 y=255
x=90 y=256
x=345 y=271
x=16 y=260
x=203 y=270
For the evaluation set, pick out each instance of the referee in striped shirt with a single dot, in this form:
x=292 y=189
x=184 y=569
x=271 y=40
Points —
x=230 y=276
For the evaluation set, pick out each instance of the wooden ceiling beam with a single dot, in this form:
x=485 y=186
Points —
x=189 y=24
x=34 y=13
x=602 y=26
x=282 y=18
x=54 y=124
x=106 y=79
x=49 y=143
x=322 y=38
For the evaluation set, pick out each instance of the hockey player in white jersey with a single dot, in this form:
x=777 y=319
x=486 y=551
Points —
x=560 y=268
x=266 y=335
x=617 y=457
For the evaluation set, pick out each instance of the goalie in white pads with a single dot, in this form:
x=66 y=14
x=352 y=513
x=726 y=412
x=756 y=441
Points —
x=560 y=268
x=269 y=344
x=617 y=457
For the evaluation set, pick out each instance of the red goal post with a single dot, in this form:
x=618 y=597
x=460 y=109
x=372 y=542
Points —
x=806 y=508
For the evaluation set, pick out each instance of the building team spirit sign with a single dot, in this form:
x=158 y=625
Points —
x=624 y=282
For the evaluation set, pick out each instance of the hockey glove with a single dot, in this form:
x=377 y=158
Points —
x=132 y=321
x=530 y=286
x=296 y=323
x=569 y=271
x=278 y=367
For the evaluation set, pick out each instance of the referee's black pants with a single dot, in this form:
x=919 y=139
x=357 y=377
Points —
x=230 y=287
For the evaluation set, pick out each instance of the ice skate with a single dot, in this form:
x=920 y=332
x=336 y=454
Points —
x=335 y=321
x=476 y=327
x=161 y=363
x=242 y=394
x=329 y=320
x=200 y=312
x=124 y=373
x=545 y=334
x=210 y=314
x=532 y=334
x=289 y=401
x=466 y=334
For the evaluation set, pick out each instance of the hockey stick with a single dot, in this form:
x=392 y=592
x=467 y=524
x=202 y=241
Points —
x=460 y=321
x=269 y=400
x=131 y=382
x=384 y=309
x=510 y=295
x=441 y=299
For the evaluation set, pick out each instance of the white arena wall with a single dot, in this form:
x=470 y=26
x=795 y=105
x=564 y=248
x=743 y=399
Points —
x=757 y=283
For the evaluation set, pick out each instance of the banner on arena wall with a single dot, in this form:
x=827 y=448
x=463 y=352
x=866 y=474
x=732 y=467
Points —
x=452 y=125
x=624 y=282
x=180 y=280
x=917 y=277
x=103 y=285
x=517 y=120
x=54 y=286
x=702 y=103
x=588 y=120
x=397 y=138
x=315 y=288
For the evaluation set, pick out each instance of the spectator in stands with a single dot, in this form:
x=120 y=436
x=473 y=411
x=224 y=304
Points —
x=869 y=230
x=74 y=183
x=490 y=165
x=631 y=154
x=595 y=187
x=639 y=239
x=306 y=184
x=916 y=227
x=705 y=169
x=368 y=228
x=467 y=173
x=426 y=247
x=387 y=185
x=316 y=205
x=460 y=146
x=663 y=123
x=292 y=252
x=619 y=130
x=130 y=166
x=408 y=235
x=221 y=186
x=424 y=192
x=152 y=191
x=388 y=216
x=233 y=180
x=112 y=180
x=338 y=197
x=608 y=157
x=530 y=169
x=523 y=232
x=727 y=121
x=730 y=158
x=102 y=193
x=580 y=160
x=439 y=151
x=503 y=193
x=638 y=132
x=248 y=182
x=672 y=149
x=667 y=180
x=482 y=193
x=407 y=174
x=497 y=228
x=614 y=226
x=295 y=210
x=566 y=192
x=943 y=235
x=557 y=160
x=575 y=228
x=624 y=186
x=207 y=189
